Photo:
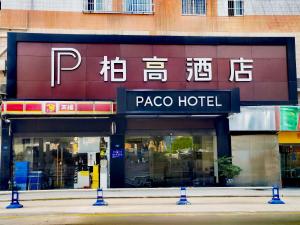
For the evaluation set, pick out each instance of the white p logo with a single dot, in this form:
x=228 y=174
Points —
x=62 y=52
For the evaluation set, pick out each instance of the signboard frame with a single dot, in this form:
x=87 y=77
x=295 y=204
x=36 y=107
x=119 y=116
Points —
x=229 y=99
x=288 y=42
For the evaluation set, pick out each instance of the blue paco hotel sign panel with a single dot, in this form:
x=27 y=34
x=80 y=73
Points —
x=147 y=102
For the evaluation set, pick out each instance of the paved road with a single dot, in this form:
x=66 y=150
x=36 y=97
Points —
x=286 y=218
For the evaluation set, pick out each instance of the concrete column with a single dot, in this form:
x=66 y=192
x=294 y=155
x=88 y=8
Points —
x=223 y=136
x=117 y=154
x=5 y=156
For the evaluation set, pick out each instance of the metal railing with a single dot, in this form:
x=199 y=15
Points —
x=119 y=6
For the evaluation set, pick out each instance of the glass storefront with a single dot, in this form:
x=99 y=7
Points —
x=59 y=162
x=290 y=165
x=169 y=161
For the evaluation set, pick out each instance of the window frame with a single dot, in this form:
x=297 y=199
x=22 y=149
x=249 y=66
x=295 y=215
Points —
x=98 y=6
x=137 y=7
x=194 y=9
x=234 y=9
x=132 y=4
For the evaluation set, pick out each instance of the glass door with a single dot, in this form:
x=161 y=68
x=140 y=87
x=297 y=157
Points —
x=290 y=165
x=169 y=161
x=61 y=162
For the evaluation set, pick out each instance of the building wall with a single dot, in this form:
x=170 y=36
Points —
x=53 y=5
x=252 y=7
x=50 y=17
x=3 y=55
x=259 y=158
x=264 y=7
x=272 y=7
x=258 y=155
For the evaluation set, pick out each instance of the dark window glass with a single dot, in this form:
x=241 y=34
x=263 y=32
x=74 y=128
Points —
x=62 y=162
x=290 y=165
x=235 y=7
x=91 y=5
x=169 y=161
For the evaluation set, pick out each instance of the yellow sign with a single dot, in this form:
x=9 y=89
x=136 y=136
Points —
x=95 y=177
x=288 y=137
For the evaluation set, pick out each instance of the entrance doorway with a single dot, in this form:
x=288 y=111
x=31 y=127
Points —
x=170 y=160
x=61 y=162
x=290 y=165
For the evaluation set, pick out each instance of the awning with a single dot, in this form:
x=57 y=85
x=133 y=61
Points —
x=58 y=107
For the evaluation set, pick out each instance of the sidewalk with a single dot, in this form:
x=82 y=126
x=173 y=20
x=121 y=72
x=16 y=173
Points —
x=152 y=205
x=76 y=206
x=150 y=193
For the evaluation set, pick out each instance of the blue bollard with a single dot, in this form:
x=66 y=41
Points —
x=183 y=199
x=14 y=199
x=100 y=201
x=275 y=196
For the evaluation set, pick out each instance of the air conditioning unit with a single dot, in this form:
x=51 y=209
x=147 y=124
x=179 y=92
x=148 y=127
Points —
x=2 y=65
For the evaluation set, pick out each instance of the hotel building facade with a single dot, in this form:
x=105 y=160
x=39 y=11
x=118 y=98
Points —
x=148 y=93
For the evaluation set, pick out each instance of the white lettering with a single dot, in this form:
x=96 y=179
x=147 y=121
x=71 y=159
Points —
x=192 y=101
x=217 y=103
x=155 y=101
x=182 y=101
x=139 y=100
x=199 y=69
x=168 y=98
x=210 y=101
x=201 y=100
x=62 y=52
x=244 y=73
x=155 y=69
x=114 y=66
x=148 y=101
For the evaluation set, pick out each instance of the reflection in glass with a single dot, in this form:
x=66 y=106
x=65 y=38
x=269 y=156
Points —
x=167 y=161
x=290 y=165
x=64 y=162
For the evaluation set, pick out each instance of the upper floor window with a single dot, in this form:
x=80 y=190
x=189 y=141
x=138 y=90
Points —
x=118 y=6
x=138 y=6
x=193 y=7
x=235 y=7
x=98 y=5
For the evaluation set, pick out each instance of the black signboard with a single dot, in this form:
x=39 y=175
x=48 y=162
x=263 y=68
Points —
x=153 y=102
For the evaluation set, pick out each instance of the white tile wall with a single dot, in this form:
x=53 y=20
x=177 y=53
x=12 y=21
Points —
x=252 y=7
x=272 y=7
x=222 y=8
x=264 y=7
x=47 y=5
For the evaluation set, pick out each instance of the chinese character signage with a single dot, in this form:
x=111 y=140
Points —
x=58 y=108
x=117 y=153
x=177 y=102
x=92 y=67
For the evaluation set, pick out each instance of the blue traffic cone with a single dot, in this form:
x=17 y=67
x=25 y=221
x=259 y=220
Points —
x=183 y=199
x=100 y=201
x=14 y=199
x=275 y=196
